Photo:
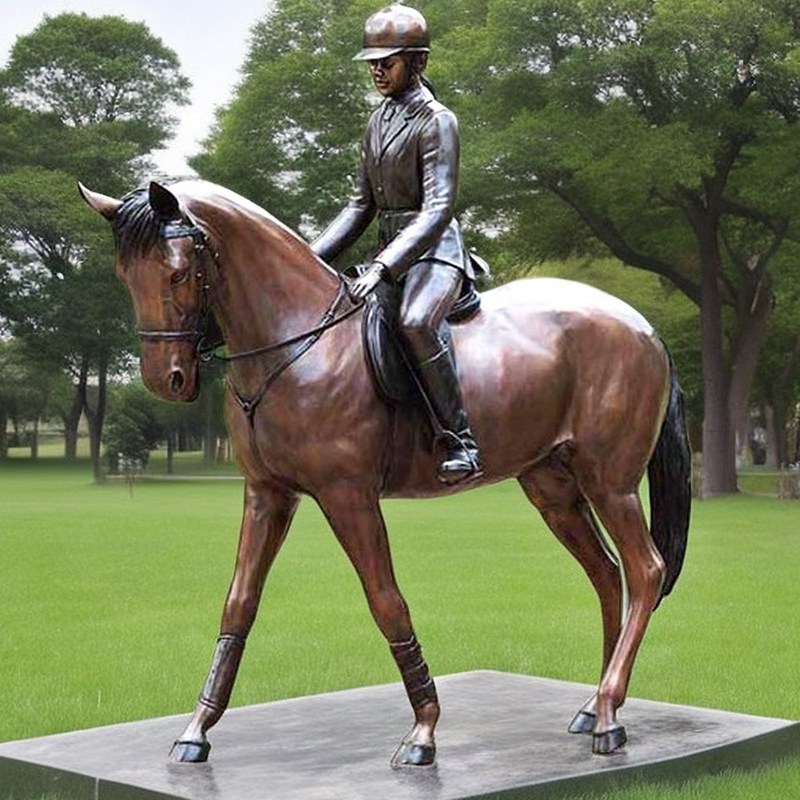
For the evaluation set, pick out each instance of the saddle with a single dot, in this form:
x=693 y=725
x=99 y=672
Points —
x=391 y=372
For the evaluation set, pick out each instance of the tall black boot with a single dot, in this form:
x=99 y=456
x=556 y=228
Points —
x=440 y=382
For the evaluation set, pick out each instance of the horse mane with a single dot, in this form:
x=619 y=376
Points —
x=137 y=228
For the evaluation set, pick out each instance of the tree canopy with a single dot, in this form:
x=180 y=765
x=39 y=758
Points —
x=287 y=140
x=81 y=98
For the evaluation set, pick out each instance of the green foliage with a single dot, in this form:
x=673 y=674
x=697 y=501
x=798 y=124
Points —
x=26 y=382
x=133 y=427
x=290 y=138
x=59 y=292
x=81 y=98
x=90 y=71
x=620 y=109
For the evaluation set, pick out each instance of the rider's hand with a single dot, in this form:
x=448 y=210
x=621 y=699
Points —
x=365 y=283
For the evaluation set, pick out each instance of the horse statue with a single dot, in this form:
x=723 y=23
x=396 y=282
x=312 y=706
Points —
x=570 y=391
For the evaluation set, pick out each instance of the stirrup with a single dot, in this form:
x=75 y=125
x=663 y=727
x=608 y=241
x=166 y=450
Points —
x=462 y=461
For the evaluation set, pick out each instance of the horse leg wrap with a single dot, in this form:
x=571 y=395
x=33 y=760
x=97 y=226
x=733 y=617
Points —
x=224 y=666
x=414 y=672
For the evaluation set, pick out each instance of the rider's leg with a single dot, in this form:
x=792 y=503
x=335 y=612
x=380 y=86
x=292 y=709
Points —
x=429 y=291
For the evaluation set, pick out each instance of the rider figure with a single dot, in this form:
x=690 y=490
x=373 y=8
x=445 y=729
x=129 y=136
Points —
x=409 y=177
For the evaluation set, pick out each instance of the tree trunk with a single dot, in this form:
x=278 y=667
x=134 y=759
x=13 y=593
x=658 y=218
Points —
x=95 y=418
x=752 y=321
x=776 y=427
x=3 y=434
x=210 y=430
x=35 y=439
x=72 y=417
x=783 y=404
x=719 y=453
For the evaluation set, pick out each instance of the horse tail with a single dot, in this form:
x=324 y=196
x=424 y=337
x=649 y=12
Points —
x=669 y=474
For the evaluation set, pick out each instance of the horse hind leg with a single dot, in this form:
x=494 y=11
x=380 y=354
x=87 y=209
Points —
x=623 y=517
x=554 y=491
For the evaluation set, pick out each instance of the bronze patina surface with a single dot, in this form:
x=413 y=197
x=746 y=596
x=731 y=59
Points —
x=570 y=391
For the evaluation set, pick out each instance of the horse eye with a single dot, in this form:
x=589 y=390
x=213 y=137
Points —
x=179 y=277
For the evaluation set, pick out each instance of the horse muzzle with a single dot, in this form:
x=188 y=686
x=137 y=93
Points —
x=174 y=377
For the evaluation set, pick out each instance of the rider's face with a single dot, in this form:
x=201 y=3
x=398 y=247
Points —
x=390 y=75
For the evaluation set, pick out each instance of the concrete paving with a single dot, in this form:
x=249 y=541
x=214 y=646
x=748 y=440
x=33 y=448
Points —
x=500 y=736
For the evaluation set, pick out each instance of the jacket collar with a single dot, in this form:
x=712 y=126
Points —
x=407 y=106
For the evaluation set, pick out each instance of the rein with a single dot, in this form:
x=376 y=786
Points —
x=329 y=320
x=308 y=338
x=208 y=352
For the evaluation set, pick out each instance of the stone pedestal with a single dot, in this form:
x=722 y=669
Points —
x=500 y=736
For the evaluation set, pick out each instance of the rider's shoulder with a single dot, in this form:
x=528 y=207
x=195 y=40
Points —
x=428 y=108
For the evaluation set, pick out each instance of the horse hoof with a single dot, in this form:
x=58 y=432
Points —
x=608 y=742
x=414 y=755
x=190 y=752
x=583 y=723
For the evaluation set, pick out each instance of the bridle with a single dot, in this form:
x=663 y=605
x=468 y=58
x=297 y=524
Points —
x=209 y=350
x=182 y=230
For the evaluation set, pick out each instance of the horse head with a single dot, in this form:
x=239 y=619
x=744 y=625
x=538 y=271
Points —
x=161 y=257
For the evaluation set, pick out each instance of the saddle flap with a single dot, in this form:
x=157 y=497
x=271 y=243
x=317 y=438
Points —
x=387 y=363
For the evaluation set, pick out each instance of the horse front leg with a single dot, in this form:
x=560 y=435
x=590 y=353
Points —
x=355 y=516
x=267 y=514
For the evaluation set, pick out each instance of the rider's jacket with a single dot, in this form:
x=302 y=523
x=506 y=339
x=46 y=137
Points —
x=408 y=176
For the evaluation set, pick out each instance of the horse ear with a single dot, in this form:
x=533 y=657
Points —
x=163 y=202
x=101 y=203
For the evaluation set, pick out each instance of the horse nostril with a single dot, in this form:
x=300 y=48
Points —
x=176 y=381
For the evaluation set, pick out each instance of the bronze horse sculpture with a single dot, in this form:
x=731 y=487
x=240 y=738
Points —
x=571 y=392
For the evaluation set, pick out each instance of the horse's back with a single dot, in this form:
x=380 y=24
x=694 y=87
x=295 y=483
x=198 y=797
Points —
x=565 y=302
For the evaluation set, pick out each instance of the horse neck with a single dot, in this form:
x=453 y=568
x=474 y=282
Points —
x=269 y=285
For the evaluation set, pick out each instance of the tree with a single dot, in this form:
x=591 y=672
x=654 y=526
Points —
x=81 y=97
x=134 y=428
x=26 y=383
x=100 y=74
x=59 y=291
x=777 y=388
x=289 y=138
x=663 y=131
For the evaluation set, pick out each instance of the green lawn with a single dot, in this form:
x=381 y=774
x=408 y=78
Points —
x=111 y=601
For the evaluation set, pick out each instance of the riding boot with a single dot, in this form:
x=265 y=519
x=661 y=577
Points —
x=440 y=382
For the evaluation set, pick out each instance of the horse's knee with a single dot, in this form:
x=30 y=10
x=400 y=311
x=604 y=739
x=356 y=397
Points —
x=239 y=612
x=390 y=612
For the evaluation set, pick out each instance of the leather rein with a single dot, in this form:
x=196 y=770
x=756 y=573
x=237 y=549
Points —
x=208 y=351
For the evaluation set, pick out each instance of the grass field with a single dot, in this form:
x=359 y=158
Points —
x=111 y=600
